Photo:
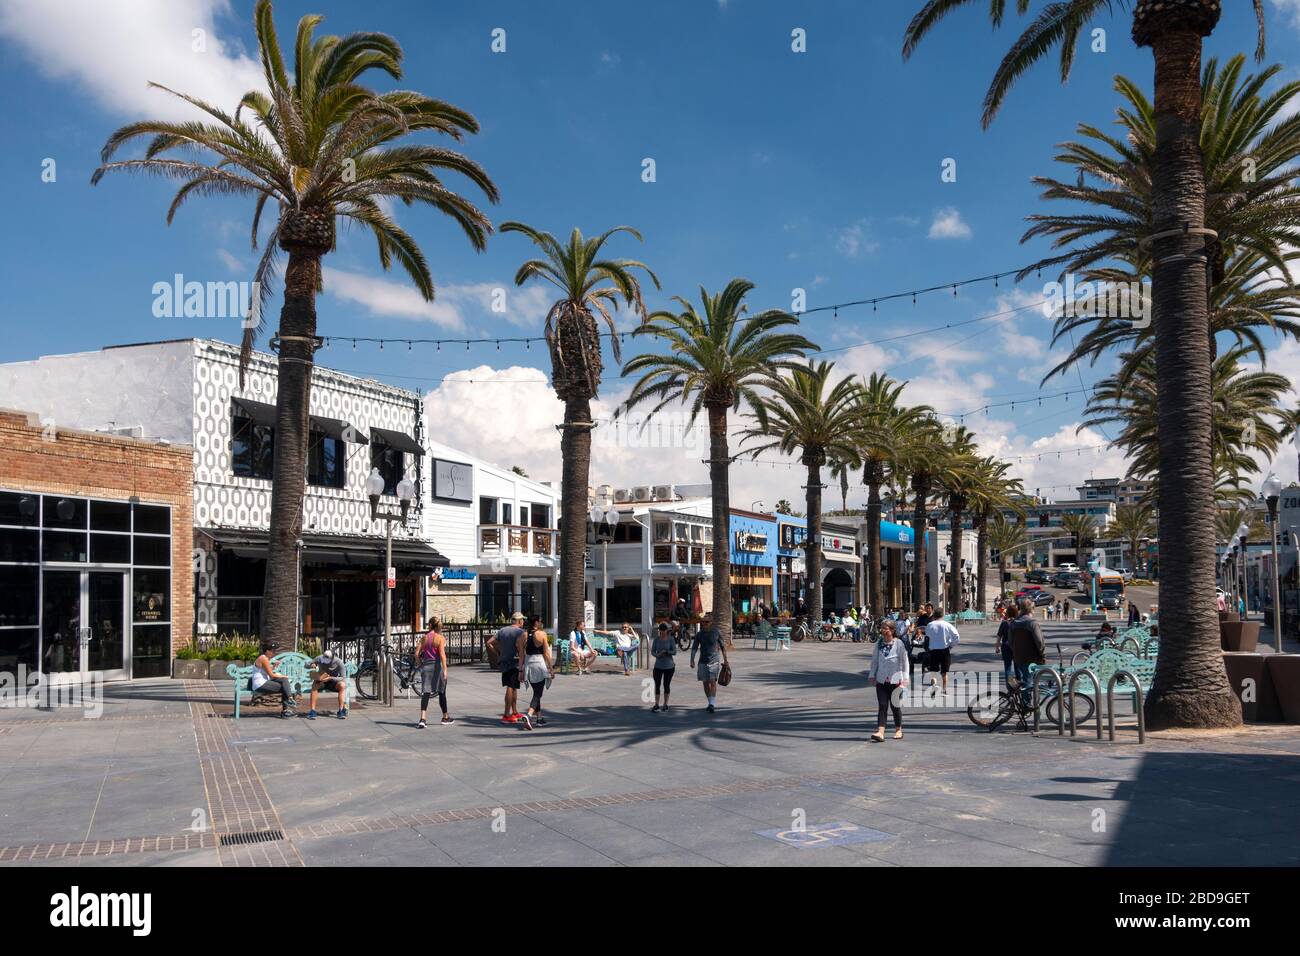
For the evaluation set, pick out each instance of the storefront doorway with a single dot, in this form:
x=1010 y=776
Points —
x=83 y=624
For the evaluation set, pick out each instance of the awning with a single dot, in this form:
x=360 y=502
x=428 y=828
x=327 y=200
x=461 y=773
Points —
x=335 y=428
x=259 y=412
x=337 y=550
x=399 y=440
x=891 y=533
x=264 y=414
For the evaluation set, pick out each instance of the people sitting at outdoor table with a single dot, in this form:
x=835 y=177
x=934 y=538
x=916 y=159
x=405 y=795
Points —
x=584 y=655
x=330 y=676
x=267 y=680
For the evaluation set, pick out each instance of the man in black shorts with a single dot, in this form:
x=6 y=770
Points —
x=505 y=643
x=330 y=676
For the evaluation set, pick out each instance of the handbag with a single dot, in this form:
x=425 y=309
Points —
x=724 y=675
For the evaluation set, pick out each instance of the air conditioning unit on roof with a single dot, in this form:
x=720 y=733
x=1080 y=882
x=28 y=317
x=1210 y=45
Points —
x=641 y=493
x=664 y=493
x=622 y=495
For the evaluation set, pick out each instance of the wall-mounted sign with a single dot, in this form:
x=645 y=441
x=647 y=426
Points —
x=838 y=544
x=454 y=574
x=791 y=536
x=453 y=480
x=751 y=541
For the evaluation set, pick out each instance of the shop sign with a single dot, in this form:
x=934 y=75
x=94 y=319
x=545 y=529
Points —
x=751 y=541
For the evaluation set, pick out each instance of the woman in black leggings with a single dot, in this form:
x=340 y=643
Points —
x=663 y=649
x=432 y=661
x=537 y=670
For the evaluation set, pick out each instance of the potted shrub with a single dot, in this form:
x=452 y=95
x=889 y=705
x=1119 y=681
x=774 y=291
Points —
x=189 y=663
x=226 y=650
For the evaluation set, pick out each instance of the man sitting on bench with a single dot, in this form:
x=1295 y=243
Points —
x=330 y=676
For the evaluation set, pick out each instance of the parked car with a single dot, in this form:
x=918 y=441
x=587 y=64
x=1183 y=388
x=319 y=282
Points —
x=1028 y=589
x=1043 y=598
x=1038 y=576
x=1067 y=566
x=1065 y=579
x=1125 y=573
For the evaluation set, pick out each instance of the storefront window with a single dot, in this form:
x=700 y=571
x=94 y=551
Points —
x=150 y=595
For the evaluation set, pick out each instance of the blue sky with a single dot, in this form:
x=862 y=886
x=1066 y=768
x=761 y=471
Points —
x=817 y=170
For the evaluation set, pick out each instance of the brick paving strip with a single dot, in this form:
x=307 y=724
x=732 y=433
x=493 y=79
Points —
x=247 y=827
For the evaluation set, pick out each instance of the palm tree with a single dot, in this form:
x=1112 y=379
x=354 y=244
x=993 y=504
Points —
x=1247 y=417
x=784 y=507
x=1133 y=524
x=317 y=144
x=921 y=456
x=802 y=411
x=717 y=360
x=886 y=424
x=1253 y=204
x=588 y=285
x=1191 y=687
x=995 y=493
x=1082 y=529
x=1005 y=536
x=957 y=477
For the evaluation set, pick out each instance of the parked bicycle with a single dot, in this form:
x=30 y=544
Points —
x=405 y=670
x=991 y=711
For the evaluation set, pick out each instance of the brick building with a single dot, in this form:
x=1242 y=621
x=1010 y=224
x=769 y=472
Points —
x=95 y=550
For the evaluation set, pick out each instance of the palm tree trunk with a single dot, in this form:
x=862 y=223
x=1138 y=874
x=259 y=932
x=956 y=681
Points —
x=871 y=475
x=981 y=561
x=289 y=471
x=954 y=571
x=719 y=469
x=813 y=543
x=922 y=492
x=1191 y=687
x=575 y=450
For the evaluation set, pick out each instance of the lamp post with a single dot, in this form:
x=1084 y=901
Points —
x=1272 y=490
x=603 y=522
x=405 y=494
x=1242 y=533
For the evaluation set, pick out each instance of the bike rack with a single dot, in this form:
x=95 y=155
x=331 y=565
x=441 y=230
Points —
x=1137 y=648
x=1147 y=643
x=1096 y=683
x=1110 y=705
x=1078 y=657
x=1060 y=715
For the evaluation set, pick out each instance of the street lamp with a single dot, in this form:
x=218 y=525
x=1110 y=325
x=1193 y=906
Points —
x=1272 y=490
x=405 y=494
x=1242 y=533
x=603 y=522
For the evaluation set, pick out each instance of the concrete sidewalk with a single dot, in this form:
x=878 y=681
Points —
x=783 y=773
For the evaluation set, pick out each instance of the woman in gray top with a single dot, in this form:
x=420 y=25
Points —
x=663 y=649
x=708 y=643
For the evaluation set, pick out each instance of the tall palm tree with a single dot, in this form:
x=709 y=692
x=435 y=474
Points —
x=1253 y=203
x=1132 y=524
x=1191 y=687
x=803 y=411
x=588 y=286
x=1082 y=529
x=718 y=358
x=957 y=476
x=995 y=493
x=886 y=424
x=1005 y=536
x=921 y=456
x=319 y=145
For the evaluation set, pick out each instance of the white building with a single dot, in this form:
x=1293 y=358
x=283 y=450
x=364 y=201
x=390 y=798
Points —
x=498 y=531
x=187 y=391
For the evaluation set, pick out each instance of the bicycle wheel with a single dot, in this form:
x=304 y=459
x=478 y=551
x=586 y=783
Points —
x=1083 y=705
x=984 y=708
x=825 y=634
x=1008 y=707
x=798 y=632
x=367 y=680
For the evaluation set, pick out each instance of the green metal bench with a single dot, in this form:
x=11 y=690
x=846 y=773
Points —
x=972 y=615
x=1105 y=663
x=297 y=667
x=766 y=633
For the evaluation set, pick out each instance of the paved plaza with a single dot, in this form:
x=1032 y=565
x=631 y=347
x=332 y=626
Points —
x=782 y=774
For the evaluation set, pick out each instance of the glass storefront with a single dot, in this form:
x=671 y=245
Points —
x=85 y=586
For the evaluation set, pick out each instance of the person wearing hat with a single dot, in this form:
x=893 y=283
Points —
x=505 y=644
x=330 y=676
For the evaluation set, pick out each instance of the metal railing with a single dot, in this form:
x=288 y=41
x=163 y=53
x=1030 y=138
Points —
x=1088 y=673
x=500 y=540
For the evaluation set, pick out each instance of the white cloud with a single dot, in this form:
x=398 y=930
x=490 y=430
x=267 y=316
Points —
x=453 y=304
x=853 y=241
x=948 y=224
x=231 y=262
x=1290 y=9
x=114 y=49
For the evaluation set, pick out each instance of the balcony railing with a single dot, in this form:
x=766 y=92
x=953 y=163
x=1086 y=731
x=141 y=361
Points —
x=503 y=540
